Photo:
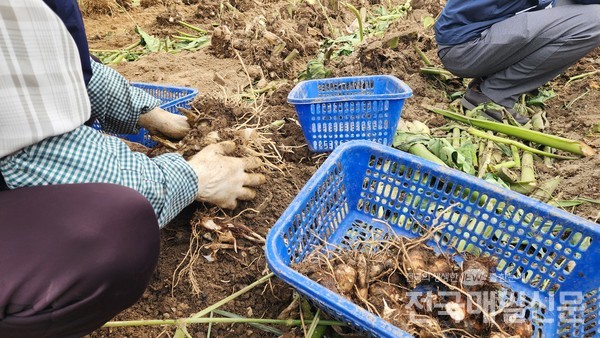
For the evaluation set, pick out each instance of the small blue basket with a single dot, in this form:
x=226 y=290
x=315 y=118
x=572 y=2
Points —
x=365 y=190
x=335 y=110
x=171 y=97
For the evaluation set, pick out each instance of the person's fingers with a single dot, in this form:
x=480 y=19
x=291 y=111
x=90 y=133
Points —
x=228 y=204
x=252 y=162
x=252 y=180
x=219 y=148
x=246 y=194
x=226 y=147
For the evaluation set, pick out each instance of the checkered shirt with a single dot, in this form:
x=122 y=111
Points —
x=79 y=154
x=85 y=155
x=115 y=103
x=42 y=92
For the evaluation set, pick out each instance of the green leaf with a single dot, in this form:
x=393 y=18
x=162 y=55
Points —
x=403 y=140
x=491 y=178
x=428 y=21
x=151 y=43
x=542 y=96
x=314 y=70
x=460 y=159
x=566 y=203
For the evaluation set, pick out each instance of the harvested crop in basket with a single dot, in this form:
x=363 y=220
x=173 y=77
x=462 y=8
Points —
x=427 y=294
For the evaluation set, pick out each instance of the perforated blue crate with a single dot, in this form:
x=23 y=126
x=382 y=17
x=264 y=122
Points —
x=335 y=110
x=172 y=98
x=365 y=190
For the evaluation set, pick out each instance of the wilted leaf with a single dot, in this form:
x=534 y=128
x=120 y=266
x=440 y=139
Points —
x=491 y=178
x=461 y=158
x=566 y=203
x=428 y=21
x=151 y=43
x=542 y=96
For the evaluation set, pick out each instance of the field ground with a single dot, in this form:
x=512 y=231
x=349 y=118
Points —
x=195 y=268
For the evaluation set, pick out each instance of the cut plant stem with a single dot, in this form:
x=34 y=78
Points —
x=262 y=327
x=546 y=189
x=507 y=165
x=517 y=144
x=437 y=71
x=456 y=138
x=553 y=141
x=548 y=160
x=291 y=56
x=486 y=158
x=506 y=175
x=528 y=182
x=423 y=57
x=581 y=76
x=192 y=27
x=515 y=155
x=232 y=296
x=568 y=105
x=359 y=18
x=421 y=150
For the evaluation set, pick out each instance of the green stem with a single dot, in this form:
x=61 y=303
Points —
x=546 y=189
x=436 y=71
x=421 y=150
x=185 y=24
x=486 y=158
x=258 y=326
x=515 y=155
x=553 y=141
x=423 y=57
x=327 y=18
x=185 y=38
x=232 y=296
x=456 y=138
x=360 y=21
x=517 y=144
x=158 y=322
x=291 y=56
x=528 y=183
x=581 y=76
x=507 y=165
x=312 y=330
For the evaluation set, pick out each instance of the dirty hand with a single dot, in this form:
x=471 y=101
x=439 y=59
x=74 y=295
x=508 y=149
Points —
x=222 y=180
x=161 y=121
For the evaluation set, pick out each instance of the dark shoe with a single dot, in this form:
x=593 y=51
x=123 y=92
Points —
x=474 y=98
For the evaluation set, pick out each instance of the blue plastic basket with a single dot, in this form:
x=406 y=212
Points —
x=171 y=97
x=335 y=110
x=548 y=255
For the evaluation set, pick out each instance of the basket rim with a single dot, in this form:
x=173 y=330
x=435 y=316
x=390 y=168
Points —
x=190 y=92
x=406 y=91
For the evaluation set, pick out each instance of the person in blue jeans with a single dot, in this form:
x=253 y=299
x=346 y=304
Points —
x=513 y=47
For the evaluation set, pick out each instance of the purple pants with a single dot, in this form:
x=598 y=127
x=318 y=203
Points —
x=72 y=257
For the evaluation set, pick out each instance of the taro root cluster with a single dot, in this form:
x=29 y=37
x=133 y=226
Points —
x=423 y=293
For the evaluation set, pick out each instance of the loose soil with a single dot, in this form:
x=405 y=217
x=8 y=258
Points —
x=241 y=58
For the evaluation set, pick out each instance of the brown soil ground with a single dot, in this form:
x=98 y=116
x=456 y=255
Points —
x=182 y=286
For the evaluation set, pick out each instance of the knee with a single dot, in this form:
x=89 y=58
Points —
x=125 y=252
x=96 y=260
x=589 y=20
x=128 y=240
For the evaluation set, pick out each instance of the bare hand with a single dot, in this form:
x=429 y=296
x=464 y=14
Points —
x=161 y=121
x=222 y=180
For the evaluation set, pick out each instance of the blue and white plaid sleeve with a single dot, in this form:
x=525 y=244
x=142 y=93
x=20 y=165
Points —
x=115 y=103
x=85 y=155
